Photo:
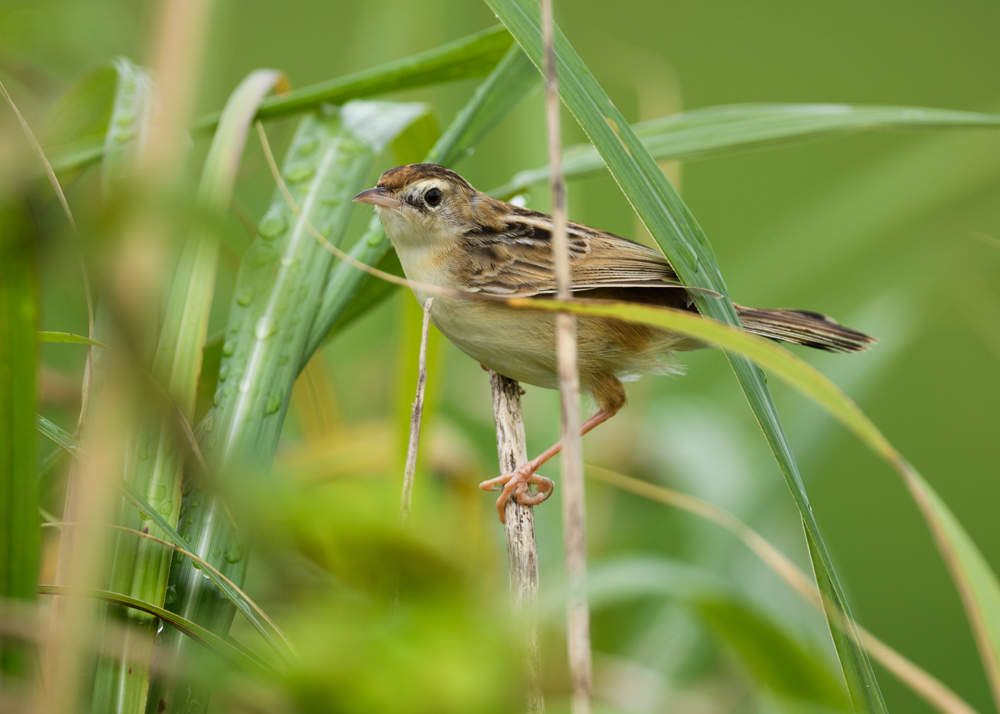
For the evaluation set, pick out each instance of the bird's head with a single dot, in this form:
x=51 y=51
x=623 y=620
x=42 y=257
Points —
x=426 y=203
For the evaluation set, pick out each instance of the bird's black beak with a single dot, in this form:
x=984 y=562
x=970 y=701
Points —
x=378 y=196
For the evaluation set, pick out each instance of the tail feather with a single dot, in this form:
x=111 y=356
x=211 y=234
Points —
x=801 y=327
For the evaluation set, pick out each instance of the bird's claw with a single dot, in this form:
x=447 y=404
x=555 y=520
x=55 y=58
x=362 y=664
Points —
x=517 y=483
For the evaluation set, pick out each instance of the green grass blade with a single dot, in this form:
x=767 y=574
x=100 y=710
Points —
x=511 y=81
x=681 y=238
x=224 y=648
x=739 y=128
x=466 y=58
x=976 y=582
x=46 y=336
x=130 y=117
x=19 y=522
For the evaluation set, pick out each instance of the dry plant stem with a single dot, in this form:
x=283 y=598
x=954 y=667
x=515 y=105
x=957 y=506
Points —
x=932 y=690
x=574 y=516
x=90 y=494
x=519 y=526
x=415 y=416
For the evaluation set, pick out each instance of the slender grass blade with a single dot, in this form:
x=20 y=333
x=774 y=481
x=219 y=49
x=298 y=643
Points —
x=724 y=130
x=19 y=499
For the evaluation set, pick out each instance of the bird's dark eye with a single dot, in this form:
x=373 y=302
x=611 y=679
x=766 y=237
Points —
x=433 y=197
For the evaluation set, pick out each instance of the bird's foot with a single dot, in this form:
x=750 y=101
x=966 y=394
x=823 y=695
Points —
x=517 y=483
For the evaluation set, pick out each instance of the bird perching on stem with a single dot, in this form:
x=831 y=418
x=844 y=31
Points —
x=448 y=234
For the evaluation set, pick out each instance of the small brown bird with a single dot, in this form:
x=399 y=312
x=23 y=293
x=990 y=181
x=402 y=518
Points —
x=449 y=234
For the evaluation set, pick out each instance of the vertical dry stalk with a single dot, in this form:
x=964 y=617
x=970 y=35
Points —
x=574 y=516
x=519 y=526
x=415 y=417
x=89 y=498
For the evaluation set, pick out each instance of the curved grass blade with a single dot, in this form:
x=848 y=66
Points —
x=678 y=234
x=976 y=582
x=723 y=130
x=472 y=56
x=130 y=117
x=46 y=336
x=20 y=544
x=224 y=648
x=511 y=81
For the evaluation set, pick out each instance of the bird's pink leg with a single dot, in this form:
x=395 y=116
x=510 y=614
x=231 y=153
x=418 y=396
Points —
x=517 y=481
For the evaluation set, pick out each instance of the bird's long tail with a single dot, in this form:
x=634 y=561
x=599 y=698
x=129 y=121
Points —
x=801 y=327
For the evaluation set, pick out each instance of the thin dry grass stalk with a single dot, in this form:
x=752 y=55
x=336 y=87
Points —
x=519 y=526
x=574 y=514
x=415 y=418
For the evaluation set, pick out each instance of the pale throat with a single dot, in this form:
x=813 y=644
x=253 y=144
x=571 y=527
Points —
x=419 y=249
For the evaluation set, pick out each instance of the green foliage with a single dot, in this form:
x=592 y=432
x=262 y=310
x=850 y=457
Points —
x=381 y=617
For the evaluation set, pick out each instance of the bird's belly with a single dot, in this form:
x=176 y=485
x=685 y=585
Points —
x=521 y=344
x=516 y=343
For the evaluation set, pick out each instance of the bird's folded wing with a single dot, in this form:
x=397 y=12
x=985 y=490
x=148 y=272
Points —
x=518 y=261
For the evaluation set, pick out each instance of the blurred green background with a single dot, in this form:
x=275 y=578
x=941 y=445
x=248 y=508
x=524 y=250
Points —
x=892 y=233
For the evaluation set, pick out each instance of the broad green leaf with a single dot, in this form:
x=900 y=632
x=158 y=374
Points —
x=140 y=567
x=19 y=498
x=738 y=128
x=680 y=237
x=278 y=289
x=511 y=81
x=224 y=648
x=467 y=58
x=46 y=336
x=80 y=117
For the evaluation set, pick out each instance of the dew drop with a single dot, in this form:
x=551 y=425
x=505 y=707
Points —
x=262 y=256
x=244 y=385
x=166 y=507
x=159 y=492
x=208 y=423
x=264 y=328
x=223 y=372
x=245 y=297
x=272 y=225
x=300 y=173
x=234 y=553
x=217 y=398
x=273 y=402
x=170 y=596
x=308 y=146
x=228 y=347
